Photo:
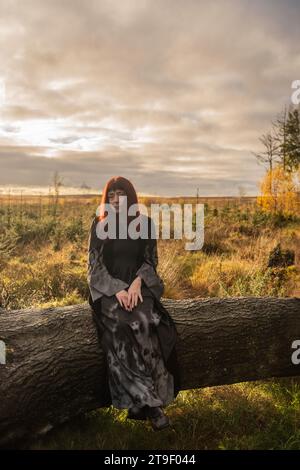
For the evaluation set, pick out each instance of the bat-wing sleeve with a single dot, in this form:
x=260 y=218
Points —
x=148 y=269
x=100 y=282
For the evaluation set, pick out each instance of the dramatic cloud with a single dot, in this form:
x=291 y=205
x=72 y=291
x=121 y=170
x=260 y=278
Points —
x=173 y=95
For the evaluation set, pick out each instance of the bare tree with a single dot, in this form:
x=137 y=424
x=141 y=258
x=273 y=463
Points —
x=280 y=137
x=270 y=155
x=57 y=183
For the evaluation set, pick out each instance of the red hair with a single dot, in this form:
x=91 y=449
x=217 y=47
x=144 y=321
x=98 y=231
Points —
x=118 y=182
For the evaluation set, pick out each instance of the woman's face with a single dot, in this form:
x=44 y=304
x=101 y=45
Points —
x=113 y=198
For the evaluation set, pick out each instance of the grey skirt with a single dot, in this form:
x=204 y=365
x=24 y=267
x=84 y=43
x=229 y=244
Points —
x=137 y=375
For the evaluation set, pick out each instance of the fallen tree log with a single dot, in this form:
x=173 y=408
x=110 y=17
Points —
x=54 y=364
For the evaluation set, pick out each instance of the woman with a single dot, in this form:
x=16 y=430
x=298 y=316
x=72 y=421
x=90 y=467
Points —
x=137 y=333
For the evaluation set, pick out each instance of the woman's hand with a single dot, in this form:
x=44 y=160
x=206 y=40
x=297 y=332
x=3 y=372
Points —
x=134 y=293
x=122 y=297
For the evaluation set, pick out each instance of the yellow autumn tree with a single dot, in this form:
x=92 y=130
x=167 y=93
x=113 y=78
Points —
x=279 y=192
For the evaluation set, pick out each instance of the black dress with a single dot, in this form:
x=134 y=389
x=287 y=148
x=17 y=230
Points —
x=141 y=370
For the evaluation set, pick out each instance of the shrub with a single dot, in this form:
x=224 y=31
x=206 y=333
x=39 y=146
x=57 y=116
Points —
x=281 y=258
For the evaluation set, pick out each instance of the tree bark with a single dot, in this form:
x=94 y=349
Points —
x=54 y=365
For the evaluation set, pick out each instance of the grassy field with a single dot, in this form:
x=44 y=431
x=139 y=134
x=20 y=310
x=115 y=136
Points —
x=43 y=254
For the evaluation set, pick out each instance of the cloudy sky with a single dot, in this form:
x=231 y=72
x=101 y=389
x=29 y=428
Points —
x=172 y=94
